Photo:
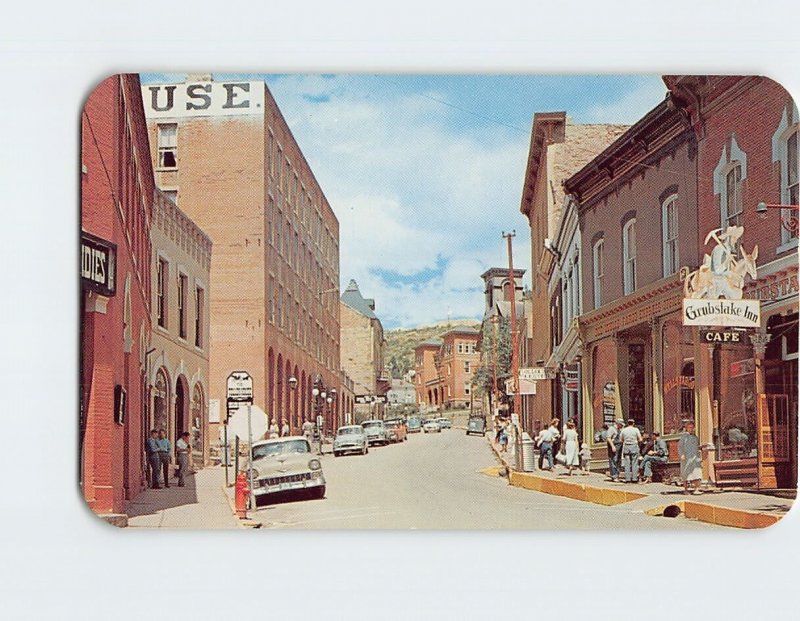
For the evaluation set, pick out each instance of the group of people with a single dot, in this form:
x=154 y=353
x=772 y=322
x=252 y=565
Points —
x=574 y=454
x=159 y=457
x=634 y=455
x=273 y=429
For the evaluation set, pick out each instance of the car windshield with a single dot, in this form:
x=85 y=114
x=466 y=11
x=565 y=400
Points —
x=390 y=425
x=271 y=449
x=373 y=425
x=349 y=430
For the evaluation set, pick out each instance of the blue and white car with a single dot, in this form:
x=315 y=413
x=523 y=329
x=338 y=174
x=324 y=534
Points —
x=350 y=439
x=286 y=465
x=376 y=432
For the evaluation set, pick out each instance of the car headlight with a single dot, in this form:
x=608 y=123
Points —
x=255 y=473
x=314 y=464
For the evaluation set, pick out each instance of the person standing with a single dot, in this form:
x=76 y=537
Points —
x=164 y=454
x=503 y=438
x=655 y=454
x=151 y=448
x=273 y=429
x=182 y=448
x=555 y=433
x=571 y=447
x=586 y=456
x=618 y=448
x=691 y=462
x=285 y=429
x=631 y=437
x=609 y=436
x=545 y=443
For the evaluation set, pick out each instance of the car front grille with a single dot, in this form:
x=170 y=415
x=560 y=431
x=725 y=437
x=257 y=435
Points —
x=289 y=478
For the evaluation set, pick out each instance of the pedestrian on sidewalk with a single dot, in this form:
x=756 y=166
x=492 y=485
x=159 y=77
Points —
x=691 y=462
x=503 y=438
x=655 y=454
x=618 y=448
x=555 y=432
x=609 y=435
x=571 y=447
x=631 y=437
x=151 y=448
x=545 y=443
x=273 y=429
x=182 y=448
x=285 y=429
x=586 y=456
x=164 y=454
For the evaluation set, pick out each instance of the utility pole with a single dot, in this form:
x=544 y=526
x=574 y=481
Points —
x=493 y=410
x=514 y=347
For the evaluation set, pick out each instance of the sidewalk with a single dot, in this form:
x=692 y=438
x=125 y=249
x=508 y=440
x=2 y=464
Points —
x=202 y=504
x=725 y=508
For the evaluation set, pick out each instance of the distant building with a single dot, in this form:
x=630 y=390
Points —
x=362 y=352
x=427 y=383
x=458 y=359
x=401 y=393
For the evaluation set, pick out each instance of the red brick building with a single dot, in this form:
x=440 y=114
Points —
x=117 y=191
x=458 y=359
x=426 y=375
x=747 y=134
x=223 y=151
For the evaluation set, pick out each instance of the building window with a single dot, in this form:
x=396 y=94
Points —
x=198 y=317
x=271 y=299
x=790 y=194
x=729 y=175
x=732 y=208
x=669 y=233
x=597 y=271
x=271 y=154
x=466 y=388
x=460 y=348
x=161 y=292
x=168 y=145
x=629 y=256
x=182 y=280
x=466 y=366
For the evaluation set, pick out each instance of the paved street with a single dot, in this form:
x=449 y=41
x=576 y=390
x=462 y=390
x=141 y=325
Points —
x=434 y=481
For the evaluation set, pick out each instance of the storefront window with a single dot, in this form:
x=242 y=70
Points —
x=735 y=394
x=604 y=385
x=677 y=374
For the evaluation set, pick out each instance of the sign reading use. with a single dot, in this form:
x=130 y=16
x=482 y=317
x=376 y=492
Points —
x=193 y=99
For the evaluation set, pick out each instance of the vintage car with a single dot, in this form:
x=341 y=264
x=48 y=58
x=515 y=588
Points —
x=476 y=425
x=444 y=422
x=413 y=425
x=395 y=430
x=286 y=465
x=350 y=439
x=376 y=432
x=432 y=426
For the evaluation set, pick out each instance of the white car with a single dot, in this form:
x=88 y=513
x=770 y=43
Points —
x=432 y=426
x=286 y=465
x=350 y=439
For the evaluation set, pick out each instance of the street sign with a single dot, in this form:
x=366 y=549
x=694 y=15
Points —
x=239 y=391
x=237 y=425
x=536 y=373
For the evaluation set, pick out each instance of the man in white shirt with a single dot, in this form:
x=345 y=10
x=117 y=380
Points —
x=182 y=448
x=631 y=437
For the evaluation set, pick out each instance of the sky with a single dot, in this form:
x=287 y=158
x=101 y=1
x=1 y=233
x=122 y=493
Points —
x=425 y=172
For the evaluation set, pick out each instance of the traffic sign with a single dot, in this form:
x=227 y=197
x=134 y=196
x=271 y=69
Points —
x=237 y=424
x=240 y=386
x=533 y=374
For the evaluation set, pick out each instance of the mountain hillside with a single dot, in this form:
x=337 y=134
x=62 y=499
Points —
x=400 y=343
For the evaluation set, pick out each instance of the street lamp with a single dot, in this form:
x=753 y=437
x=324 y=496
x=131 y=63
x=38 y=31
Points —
x=292 y=386
x=789 y=222
x=319 y=394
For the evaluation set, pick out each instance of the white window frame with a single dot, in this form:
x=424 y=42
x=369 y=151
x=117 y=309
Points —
x=628 y=259
x=182 y=297
x=167 y=146
x=669 y=245
x=728 y=162
x=598 y=265
x=162 y=292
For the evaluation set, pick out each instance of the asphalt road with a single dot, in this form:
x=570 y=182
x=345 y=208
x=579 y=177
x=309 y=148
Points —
x=434 y=481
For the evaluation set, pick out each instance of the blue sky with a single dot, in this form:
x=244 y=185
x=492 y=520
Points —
x=424 y=172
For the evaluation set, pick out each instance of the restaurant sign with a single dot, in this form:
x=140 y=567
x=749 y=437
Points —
x=713 y=292
x=98 y=264
x=723 y=337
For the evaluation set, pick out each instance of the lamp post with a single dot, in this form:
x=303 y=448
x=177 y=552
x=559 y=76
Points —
x=318 y=393
x=292 y=387
x=789 y=221
x=332 y=398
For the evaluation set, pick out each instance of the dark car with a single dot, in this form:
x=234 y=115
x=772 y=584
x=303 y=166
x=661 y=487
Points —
x=476 y=425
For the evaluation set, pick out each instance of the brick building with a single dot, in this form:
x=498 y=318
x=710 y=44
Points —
x=362 y=352
x=430 y=392
x=558 y=149
x=178 y=371
x=458 y=359
x=747 y=134
x=224 y=153
x=116 y=196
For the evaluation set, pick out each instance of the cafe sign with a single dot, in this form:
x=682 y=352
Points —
x=98 y=264
x=713 y=292
x=722 y=337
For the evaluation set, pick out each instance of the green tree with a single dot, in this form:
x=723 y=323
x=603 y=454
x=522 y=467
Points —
x=484 y=377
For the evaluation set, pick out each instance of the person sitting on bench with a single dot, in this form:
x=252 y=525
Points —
x=658 y=454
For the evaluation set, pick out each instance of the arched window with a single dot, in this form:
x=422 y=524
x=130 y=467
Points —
x=597 y=272
x=729 y=174
x=629 y=256
x=669 y=235
x=161 y=401
x=784 y=151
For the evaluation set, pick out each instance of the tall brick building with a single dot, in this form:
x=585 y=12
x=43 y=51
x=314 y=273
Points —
x=224 y=153
x=362 y=350
x=116 y=196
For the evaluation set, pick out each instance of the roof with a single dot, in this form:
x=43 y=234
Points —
x=430 y=343
x=465 y=330
x=502 y=271
x=352 y=297
x=504 y=309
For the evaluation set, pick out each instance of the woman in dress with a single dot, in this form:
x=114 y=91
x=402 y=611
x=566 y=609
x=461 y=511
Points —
x=571 y=447
x=691 y=462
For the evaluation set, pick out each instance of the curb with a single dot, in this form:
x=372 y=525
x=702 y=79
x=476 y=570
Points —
x=242 y=522
x=711 y=514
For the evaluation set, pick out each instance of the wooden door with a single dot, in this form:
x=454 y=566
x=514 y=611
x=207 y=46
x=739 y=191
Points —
x=773 y=440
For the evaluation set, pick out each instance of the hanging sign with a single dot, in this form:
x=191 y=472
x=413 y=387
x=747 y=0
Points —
x=239 y=390
x=724 y=337
x=98 y=264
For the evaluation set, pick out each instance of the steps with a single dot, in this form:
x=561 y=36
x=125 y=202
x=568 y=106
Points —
x=736 y=473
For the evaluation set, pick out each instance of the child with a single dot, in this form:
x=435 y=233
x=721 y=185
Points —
x=585 y=455
x=503 y=438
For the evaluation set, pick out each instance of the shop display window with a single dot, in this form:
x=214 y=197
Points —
x=677 y=375
x=735 y=394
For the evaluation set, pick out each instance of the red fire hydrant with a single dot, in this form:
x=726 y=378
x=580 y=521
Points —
x=242 y=494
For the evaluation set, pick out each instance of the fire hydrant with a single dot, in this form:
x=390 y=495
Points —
x=242 y=494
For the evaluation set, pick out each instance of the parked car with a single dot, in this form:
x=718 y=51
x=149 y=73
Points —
x=432 y=427
x=376 y=432
x=476 y=425
x=350 y=439
x=414 y=425
x=444 y=422
x=395 y=430
x=286 y=465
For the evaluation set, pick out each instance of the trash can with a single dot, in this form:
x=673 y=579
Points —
x=528 y=457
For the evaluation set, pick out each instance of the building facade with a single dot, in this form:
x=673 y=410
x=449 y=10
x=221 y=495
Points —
x=225 y=155
x=362 y=352
x=116 y=200
x=178 y=380
x=746 y=392
x=558 y=149
x=427 y=383
x=457 y=361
